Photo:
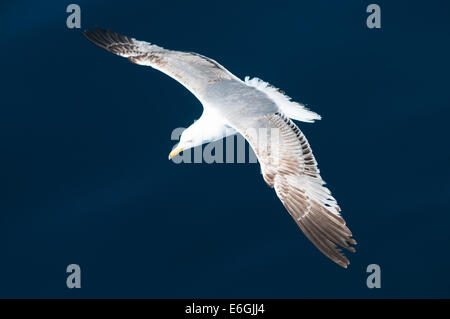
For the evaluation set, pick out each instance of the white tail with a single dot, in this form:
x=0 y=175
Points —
x=291 y=109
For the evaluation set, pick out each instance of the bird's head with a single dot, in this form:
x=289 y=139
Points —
x=191 y=137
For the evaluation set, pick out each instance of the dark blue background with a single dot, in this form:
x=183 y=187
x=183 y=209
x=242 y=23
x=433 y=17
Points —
x=85 y=137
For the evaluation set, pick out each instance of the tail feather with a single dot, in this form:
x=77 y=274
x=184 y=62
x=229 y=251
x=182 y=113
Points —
x=291 y=109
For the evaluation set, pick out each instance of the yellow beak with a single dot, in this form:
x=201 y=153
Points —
x=175 y=152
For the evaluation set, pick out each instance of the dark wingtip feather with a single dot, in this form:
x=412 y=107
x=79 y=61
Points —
x=106 y=38
x=94 y=38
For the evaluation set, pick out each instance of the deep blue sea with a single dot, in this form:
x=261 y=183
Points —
x=85 y=135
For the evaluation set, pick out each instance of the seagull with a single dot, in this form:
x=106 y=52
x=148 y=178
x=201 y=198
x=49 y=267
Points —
x=259 y=112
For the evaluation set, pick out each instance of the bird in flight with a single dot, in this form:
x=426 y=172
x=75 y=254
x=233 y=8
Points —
x=259 y=112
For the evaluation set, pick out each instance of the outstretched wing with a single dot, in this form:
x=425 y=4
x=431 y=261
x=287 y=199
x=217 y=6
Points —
x=289 y=166
x=192 y=70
